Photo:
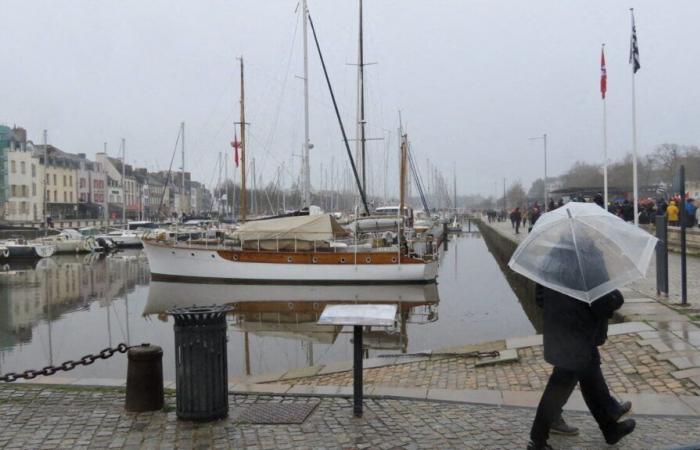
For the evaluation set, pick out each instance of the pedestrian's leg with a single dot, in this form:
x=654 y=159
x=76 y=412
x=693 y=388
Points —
x=597 y=396
x=559 y=387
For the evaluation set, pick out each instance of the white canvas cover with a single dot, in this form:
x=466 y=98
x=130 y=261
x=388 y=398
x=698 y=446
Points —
x=321 y=227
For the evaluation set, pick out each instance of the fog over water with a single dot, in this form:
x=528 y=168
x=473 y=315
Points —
x=473 y=79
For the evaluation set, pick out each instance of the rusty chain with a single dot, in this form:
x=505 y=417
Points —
x=67 y=365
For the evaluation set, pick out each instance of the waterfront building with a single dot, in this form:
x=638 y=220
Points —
x=158 y=201
x=91 y=185
x=61 y=173
x=199 y=201
x=24 y=190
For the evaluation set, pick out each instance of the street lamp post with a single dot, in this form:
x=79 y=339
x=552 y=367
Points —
x=546 y=194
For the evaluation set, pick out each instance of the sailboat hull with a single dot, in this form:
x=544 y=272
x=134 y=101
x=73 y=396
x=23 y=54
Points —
x=169 y=263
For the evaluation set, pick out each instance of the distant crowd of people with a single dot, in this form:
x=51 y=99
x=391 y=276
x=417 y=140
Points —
x=648 y=209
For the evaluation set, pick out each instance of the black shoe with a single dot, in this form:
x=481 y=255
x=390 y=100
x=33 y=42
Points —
x=533 y=446
x=625 y=407
x=559 y=426
x=619 y=430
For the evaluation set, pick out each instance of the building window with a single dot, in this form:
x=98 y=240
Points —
x=54 y=180
x=14 y=190
x=82 y=183
x=33 y=170
x=55 y=196
x=65 y=197
x=70 y=180
x=33 y=189
x=22 y=167
x=13 y=167
x=64 y=180
x=71 y=197
x=24 y=190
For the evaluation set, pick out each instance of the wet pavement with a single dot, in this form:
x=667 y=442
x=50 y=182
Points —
x=49 y=417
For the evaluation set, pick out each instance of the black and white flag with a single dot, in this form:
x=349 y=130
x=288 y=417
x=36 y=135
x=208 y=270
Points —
x=634 y=49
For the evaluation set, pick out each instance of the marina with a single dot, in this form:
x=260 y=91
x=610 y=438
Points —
x=66 y=306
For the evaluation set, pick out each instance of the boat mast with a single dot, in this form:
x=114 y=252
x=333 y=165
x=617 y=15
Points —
x=306 y=164
x=124 y=185
x=182 y=190
x=244 y=201
x=361 y=93
x=46 y=183
x=454 y=186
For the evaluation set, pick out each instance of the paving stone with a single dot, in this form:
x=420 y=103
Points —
x=687 y=373
x=526 y=341
x=268 y=388
x=628 y=327
x=685 y=362
x=659 y=404
x=504 y=356
x=521 y=398
x=467 y=396
x=336 y=367
x=413 y=393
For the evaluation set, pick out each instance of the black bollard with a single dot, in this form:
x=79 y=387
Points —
x=144 y=379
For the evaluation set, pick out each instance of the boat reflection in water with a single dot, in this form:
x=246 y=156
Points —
x=291 y=312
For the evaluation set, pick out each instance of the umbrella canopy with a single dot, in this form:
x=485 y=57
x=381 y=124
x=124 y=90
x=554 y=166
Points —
x=583 y=251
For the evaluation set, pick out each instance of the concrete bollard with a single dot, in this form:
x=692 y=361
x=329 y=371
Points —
x=144 y=379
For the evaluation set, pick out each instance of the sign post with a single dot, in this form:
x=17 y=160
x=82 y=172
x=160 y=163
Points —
x=358 y=316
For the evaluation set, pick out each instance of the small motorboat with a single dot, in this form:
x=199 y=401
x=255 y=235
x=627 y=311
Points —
x=20 y=248
x=69 y=241
x=454 y=226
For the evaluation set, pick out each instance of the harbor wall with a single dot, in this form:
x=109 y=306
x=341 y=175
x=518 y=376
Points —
x=502 y=248
x=692 y=238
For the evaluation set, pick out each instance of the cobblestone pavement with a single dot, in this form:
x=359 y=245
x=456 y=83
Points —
x=48 y=417
x=628 y=367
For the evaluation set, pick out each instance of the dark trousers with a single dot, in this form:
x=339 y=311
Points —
x=560 y=386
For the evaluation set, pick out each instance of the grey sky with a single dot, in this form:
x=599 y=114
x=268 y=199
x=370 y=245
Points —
x=473 y=79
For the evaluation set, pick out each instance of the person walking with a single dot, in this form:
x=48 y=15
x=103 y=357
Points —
x=517 y=217
x=580 y=258
x=572 y=332
x=690 y=210
x=672 y=213
x=533 y=218
x=612 y=406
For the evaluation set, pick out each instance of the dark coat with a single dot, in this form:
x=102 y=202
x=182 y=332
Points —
x=573 y=329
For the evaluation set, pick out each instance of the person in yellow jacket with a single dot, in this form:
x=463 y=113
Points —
x=672 y=214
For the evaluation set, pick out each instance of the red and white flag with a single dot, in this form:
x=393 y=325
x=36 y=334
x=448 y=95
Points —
x=236 y=144
x=603 y=73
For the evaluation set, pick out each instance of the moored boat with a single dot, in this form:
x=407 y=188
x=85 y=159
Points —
x=20 y=248
x=292 y=250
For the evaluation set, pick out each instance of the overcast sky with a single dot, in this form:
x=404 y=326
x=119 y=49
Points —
x=473 y=80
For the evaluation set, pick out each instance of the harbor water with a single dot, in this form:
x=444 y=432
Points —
x=64 y=307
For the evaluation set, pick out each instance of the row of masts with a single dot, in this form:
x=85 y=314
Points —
x=361 y=141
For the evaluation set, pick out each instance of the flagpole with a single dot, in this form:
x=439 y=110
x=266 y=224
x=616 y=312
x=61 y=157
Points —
x=605 y=155
x=635 y=186
x=605 y=146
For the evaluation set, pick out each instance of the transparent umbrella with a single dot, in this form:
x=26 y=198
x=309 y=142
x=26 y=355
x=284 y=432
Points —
x=583 y=251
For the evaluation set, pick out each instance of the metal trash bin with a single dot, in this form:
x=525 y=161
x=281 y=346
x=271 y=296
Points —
x=201 y=371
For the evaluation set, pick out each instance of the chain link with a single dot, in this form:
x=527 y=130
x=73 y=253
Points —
x=67 y=365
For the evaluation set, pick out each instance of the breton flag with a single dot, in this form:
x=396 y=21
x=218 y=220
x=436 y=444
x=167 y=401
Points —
x=634 y=48
x=603 y=74
x=236 y=144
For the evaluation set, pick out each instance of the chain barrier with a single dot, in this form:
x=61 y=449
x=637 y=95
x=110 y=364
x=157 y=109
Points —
x=490 y=354
x=67 y=365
